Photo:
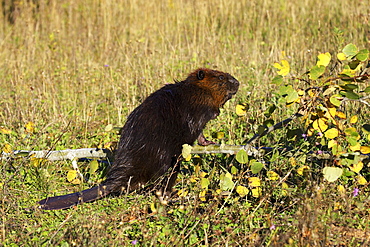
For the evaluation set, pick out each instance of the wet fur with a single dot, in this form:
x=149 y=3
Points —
x=152 y=137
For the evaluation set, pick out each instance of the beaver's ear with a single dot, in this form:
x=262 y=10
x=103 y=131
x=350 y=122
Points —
x=201 y=74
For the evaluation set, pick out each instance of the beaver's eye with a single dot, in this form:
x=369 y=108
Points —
x=221 y=77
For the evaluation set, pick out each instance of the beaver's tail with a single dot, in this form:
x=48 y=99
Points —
x=67 y=201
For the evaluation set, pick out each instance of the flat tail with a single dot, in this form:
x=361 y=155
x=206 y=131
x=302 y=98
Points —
x=70 y=200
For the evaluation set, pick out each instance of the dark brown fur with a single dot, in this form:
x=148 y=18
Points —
x=152 y=138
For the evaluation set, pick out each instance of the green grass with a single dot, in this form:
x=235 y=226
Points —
x=72 y=68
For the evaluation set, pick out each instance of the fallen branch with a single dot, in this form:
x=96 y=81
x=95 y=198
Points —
x=96 y=153
x=67 y=154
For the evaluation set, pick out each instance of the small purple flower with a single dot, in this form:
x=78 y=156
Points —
x=272 y=227
x=106 y=65
x=355 y=192
x=320 y=134
x=304 y=136
x=319 y=152
x=134 y=242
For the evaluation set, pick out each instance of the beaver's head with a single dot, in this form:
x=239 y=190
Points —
x=222 y=86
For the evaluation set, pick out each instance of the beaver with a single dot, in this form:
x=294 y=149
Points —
x=152 y=137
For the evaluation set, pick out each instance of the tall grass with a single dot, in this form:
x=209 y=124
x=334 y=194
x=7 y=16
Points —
x=53 y=57
x=72 y=67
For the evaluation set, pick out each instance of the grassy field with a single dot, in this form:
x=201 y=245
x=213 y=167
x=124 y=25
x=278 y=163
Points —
x=68 y=69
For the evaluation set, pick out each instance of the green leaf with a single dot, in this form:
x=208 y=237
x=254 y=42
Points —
x=331 y=174
x=242 y=157
x=234 y=170
x=335 y=101
x=292 y=96
x=268 y=122
x=350 y=50
x=316 y=72
x=226 y=181
x=366 y=127
x=285 y=90
x=348 y=173
x=204 y=182
x=94 y=165
x=351 y=95
x=277 y=80
x=351 y=131
x=354 y=65
x=349 y=86
x=270 y=110
x=256 y=167
x=367 y=89
x=363 y=55
x=351 y=140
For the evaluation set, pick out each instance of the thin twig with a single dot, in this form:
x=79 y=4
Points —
x=275 y=127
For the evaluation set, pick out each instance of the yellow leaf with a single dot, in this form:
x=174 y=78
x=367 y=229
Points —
x=182 y=193
x=361 y=180
x=254 y=182
x=240 y=110
x=71 y=175
x=7 y=148
x=108 y=128
x=341 y=115
x=331 y=133
x=337 y=206
x=341 y=56
x=256 y=192
x=355 y=147
x=202 y=174
x=329 y=90
x=330 y=114
x=311 y=93
x=320 y=124
x=272 y=175
x=37 y=162
x=202 y=195
x=220 y=135
x=241 y=190
x=292 y=161
x=357 y=167
x=332 y=143
x=365 y=149
x=193 y=179
x=283 y=68
x=310 y=131
x=301 y=169
x=4 y=130
x=186 y=152
x=324 y=59
x=331 y=174
x=353 y=119
x=30 y=127
x=341 y=189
